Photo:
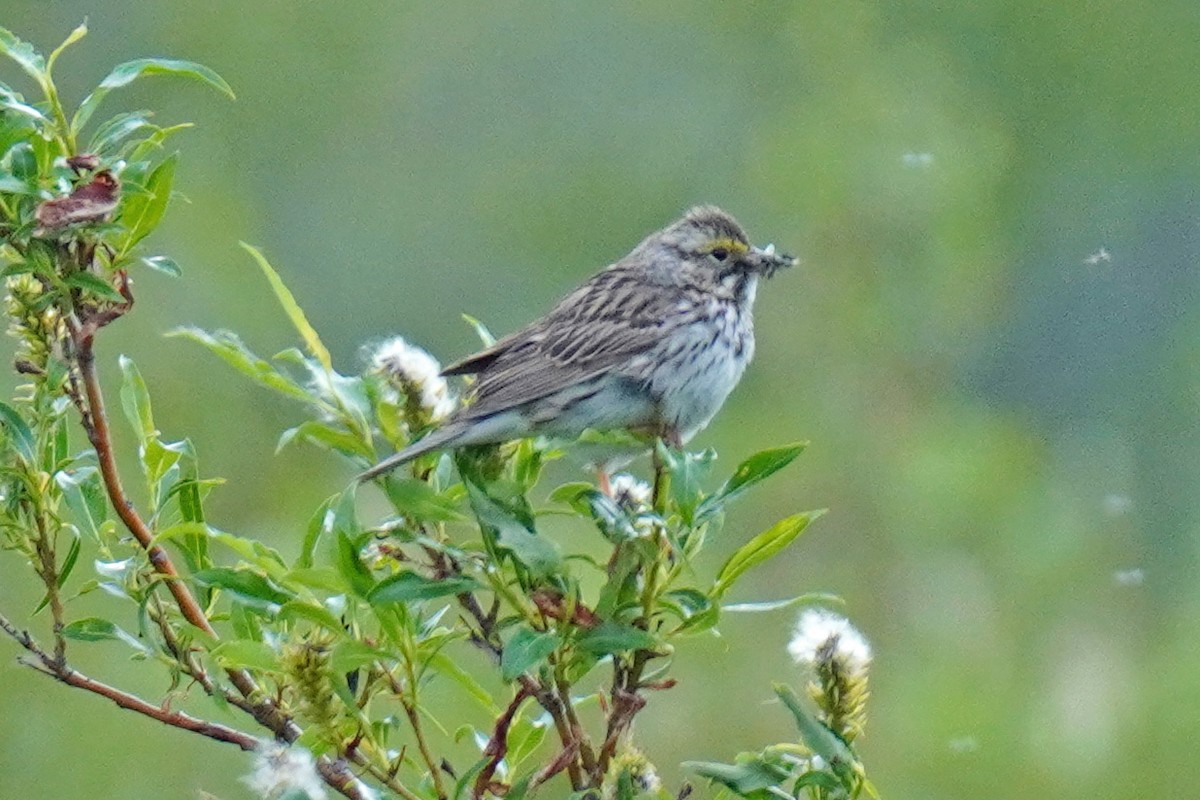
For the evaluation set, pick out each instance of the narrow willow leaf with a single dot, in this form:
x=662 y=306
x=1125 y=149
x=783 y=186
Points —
x=614 y=637
x=352 y=654
x=525 y=650
x=815 y=734
x=135 y=401
x=94 y=284
x=162 y=264
x=124 y=74
x=512 y=529
x=754 y=470
x=230 y=349
x=353 y=570
x=746 y=779
x=420 y=501
x=250 y=587
x=72 y=38
x=11 y=102
x=115 y=130
x=290 y=307
x=24 y=54
x=811 y=598
x=327 y=437
x=69 y=562
x=444 y=665
x=94 y=629
x=762 y=547
x=246 y=653
x=298 y=609
x=142 y=211
x=19 y=433
x=408 y=586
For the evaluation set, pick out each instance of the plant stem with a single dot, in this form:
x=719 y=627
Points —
x=95 y=423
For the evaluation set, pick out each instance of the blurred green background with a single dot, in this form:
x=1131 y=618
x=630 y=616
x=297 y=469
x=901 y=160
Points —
x=992 y=344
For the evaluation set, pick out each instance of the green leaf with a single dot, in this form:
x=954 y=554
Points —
x=19 y=433
x=745 y=778
x=290 y=307
x=246 y=653
x=113 y=131
x=162 y=264
x=811 y=598
x=93 y=284
x=351 y=654
x=361 y=581
x=525 y=650
x=419 y=500
x=813 y=733
x=84 y=496
x=754 y=470
x=320 y=523
x=9 y=102
x=405 y=587
x=69 y=562
x=762 y=547
x=250 y=587
x=318 y=614
x=142 y=211
x=124 y=74
x=510 y=524
x=444 y=665
x=326 y=436
x=230 y=349
x=72 y=38
x=614 y=637
x=135 y=400
x=94 y=629
x=23 y=53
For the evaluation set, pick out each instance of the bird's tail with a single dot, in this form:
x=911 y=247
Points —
x=438 y=440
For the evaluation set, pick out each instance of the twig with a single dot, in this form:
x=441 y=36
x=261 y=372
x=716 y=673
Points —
x=414 y=719
x=51 y=666
x=544 y=696
x=497 y=747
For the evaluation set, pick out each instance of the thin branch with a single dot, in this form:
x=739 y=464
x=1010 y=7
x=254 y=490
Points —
x=545 y=697
x=414 y=719
x=49 y=665
x=497 y=747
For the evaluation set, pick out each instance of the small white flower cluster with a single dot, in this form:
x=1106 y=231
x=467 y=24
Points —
x=821 y=633
x=417 y=371
x=280 y=769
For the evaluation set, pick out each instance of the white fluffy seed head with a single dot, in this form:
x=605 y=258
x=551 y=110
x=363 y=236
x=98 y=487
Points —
x=416 y=371
x=280 y=770
x=821 y=633
x=630 y=493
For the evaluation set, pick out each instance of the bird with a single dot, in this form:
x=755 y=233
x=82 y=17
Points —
x=653 y=345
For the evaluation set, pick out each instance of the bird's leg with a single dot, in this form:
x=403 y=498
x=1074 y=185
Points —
x=603 y=481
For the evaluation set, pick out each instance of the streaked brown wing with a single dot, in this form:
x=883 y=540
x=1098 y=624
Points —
x=600 y=326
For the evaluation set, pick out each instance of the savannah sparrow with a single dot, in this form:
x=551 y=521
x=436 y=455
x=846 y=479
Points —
x=653 y=344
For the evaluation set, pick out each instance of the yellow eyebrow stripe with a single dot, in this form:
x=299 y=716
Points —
x=725 y=243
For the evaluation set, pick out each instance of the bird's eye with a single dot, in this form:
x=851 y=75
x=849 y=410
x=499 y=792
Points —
x=720 y=253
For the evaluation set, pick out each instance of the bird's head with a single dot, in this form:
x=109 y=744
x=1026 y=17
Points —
x=711 y=241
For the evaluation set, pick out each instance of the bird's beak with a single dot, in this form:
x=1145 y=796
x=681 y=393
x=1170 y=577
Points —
x=767 y=261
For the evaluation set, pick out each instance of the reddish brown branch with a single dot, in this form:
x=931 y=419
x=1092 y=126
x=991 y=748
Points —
x=48 y=664
x=497 y=748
